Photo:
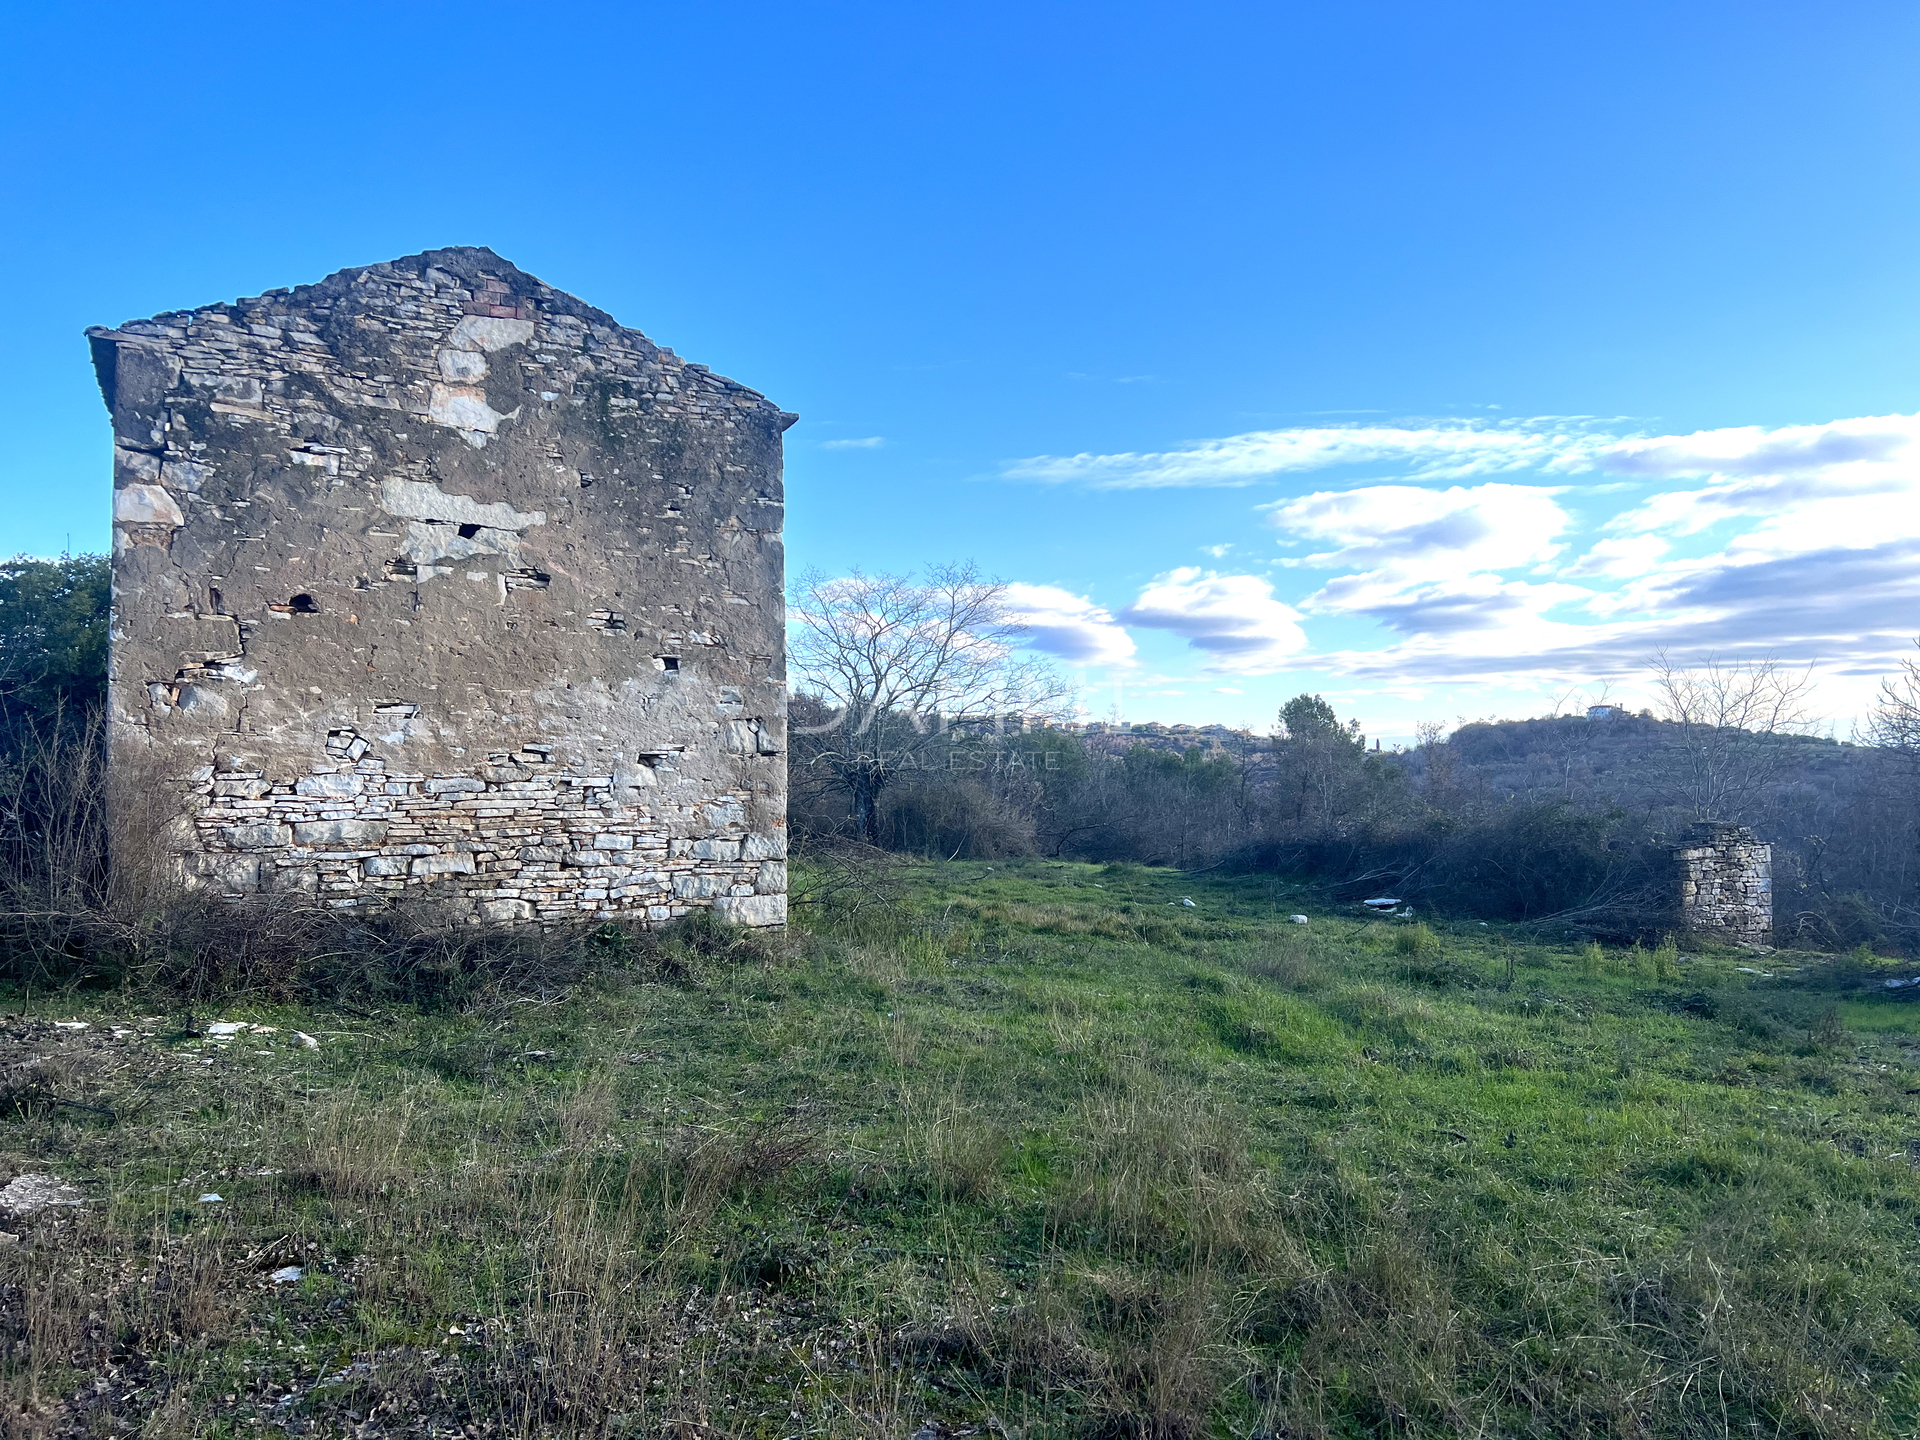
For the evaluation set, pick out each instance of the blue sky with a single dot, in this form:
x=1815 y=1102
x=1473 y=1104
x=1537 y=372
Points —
x=1361 y=348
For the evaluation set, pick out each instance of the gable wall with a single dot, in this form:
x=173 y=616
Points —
x=430 y=576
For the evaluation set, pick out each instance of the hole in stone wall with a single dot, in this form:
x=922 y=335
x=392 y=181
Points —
x=345 y=744
x=669 y=662
x=467 y=532
x=402 y=570
x=303 y=605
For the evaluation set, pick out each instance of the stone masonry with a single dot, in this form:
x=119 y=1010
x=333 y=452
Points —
x=430 y=578
x=1726 y=883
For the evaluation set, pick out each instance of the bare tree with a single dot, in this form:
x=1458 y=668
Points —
x=1571 y=738
x=1731 y=717
x=897 y=664
x=1895 y=723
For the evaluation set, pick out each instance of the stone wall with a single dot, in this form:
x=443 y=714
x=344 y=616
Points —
x=1726 y=884
x=431 y=577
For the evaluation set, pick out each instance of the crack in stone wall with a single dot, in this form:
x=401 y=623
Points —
x=1726 y=883
x=430 y=576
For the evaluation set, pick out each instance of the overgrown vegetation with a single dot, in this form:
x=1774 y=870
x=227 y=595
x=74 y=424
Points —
x=1030 y=1148
x=916 y=726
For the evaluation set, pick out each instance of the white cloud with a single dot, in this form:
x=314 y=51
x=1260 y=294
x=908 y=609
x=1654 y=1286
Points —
x=1478 y=578
x=1070 y=626
x=865 y=442
x=1850 y=611
x=1232 y=619
x=1846 y=484
x=1441 y=451
x=1420 y=531
x=1793 y=450
x=1620 y=558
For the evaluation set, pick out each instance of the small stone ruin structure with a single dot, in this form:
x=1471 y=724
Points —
x=431 y=578
x=1726 y=883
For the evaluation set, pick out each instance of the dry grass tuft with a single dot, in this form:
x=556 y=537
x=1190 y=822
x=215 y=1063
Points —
x=1162 y=1170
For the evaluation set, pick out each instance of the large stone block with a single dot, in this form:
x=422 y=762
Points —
x=765 y=845
x=759 y=910
x=263 y=835
x=339 y=786
x=340 y=832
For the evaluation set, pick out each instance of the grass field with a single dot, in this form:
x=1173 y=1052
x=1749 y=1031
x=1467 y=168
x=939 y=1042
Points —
x=1033 y=1152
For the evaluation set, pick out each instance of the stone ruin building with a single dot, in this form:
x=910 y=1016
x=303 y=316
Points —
x=430 y=578
x=1726 y=883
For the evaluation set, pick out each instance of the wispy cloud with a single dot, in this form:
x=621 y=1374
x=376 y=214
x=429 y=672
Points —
x=1620 y=558
x=867 y=442
x=1442 y=450
x=1811 y=486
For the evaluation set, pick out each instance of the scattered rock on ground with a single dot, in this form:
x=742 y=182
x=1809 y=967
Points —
x=30 y=1194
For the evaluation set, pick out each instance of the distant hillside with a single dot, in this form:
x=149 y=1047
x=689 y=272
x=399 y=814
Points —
x=1615 y=760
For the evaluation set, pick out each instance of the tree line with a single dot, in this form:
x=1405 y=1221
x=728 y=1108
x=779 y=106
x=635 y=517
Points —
x=1558 y=819
x=917 y=725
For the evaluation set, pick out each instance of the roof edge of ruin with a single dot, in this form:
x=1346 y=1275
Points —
x=467 y=261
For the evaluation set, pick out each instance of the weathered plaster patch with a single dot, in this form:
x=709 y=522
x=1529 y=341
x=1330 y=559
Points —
x=464 y=408
x=416 y=500
x=482 y=332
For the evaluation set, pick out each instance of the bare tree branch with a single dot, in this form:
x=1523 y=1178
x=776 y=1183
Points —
x=1729 y=716
x=898 y=664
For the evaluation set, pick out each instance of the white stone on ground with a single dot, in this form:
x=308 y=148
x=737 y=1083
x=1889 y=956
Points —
x=30 y=1194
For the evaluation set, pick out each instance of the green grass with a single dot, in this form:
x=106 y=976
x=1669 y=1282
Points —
x=1034 y=1151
